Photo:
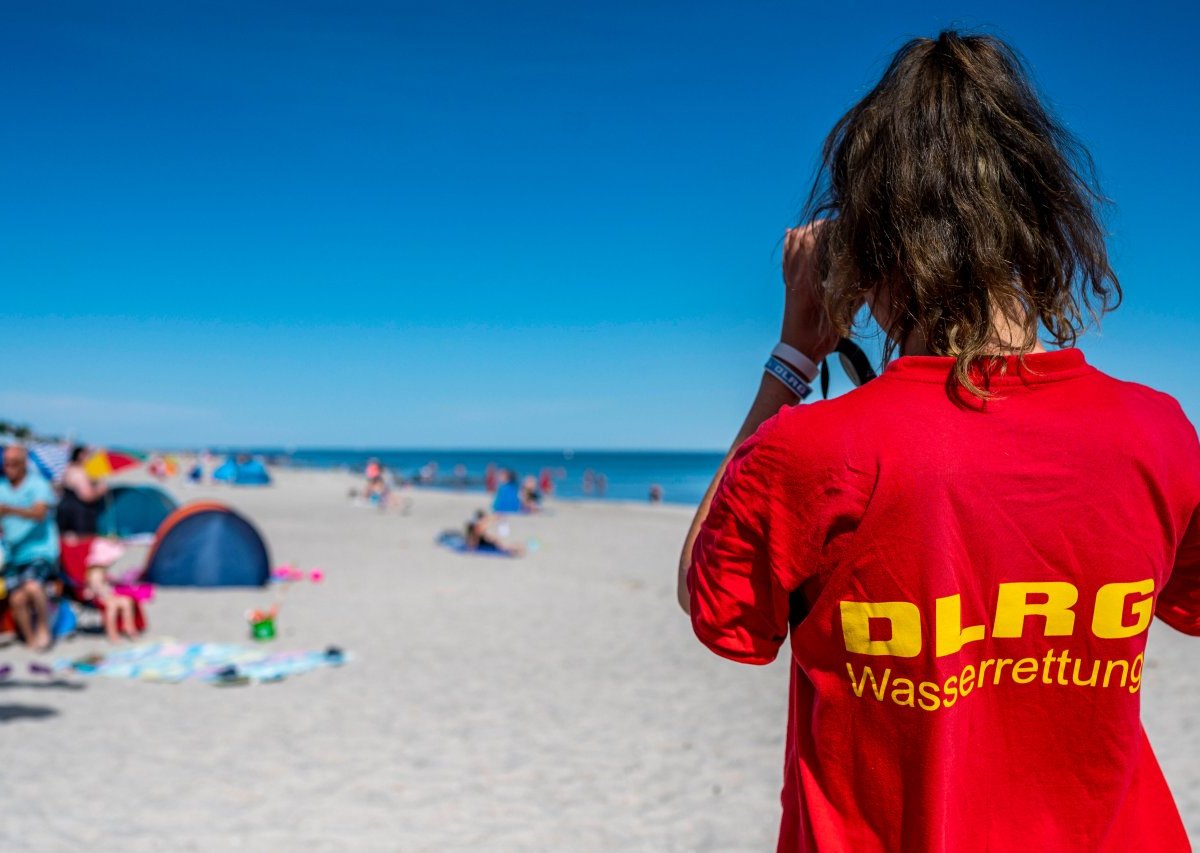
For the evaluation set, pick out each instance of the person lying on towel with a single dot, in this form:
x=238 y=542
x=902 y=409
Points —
x=479 y=536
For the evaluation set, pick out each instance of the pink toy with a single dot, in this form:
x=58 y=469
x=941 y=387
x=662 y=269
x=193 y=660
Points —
x=287 y=572
x=290 y=573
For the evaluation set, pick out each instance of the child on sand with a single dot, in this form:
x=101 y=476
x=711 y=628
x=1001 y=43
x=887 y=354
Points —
x=118 y=607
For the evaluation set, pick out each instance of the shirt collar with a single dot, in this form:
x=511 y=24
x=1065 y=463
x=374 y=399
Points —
x=1033 y=368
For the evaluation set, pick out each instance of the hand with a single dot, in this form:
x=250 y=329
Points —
x=806 y=324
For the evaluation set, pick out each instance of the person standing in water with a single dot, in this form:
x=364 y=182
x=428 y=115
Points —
x=964 y=554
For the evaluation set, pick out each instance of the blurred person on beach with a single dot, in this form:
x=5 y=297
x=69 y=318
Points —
x=376 y=491
x=509 y=497
x=77 y=517
x=78 y=512
x=157 y=467
x=531 y=498
x=198 y=473
x=119 y=607
x=382 y=489
x=480 y=535
x=31 y=549
x=967 y=551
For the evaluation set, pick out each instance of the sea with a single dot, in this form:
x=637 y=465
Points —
x=683 y=476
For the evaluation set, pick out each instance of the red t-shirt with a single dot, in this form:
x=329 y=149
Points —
x=969 y=594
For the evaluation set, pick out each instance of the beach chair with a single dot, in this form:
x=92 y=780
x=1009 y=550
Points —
x=73 y=558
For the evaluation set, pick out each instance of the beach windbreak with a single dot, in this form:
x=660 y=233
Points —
x=968 y=590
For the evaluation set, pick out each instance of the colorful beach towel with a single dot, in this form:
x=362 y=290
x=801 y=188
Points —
x=456 y=542
x=216 y=663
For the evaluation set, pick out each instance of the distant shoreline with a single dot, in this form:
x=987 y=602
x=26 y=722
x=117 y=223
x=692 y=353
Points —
x=682 y=476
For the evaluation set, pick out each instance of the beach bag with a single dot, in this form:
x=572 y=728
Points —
x=63 y=622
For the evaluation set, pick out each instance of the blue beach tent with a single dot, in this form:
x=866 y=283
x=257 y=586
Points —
x=250 y=472
x=134 y=510
x=208 y=544
x=226 y=471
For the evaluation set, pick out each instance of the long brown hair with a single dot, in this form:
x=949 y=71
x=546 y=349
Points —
x=953 y=190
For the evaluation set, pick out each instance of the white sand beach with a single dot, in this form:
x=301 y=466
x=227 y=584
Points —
x=555 y=702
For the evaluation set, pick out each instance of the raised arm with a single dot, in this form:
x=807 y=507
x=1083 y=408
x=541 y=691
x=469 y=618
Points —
x=85 y=487
x=804 y=327
x=771 y=396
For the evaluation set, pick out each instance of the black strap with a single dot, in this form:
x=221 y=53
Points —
x=854 y=362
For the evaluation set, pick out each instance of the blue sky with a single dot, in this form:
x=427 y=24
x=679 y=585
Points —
x=515 y=225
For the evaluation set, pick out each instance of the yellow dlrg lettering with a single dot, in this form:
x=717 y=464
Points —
x=1013 y=605
x=1108 y=619
x=950 y=634
x=904 y=620
x=1025 y=670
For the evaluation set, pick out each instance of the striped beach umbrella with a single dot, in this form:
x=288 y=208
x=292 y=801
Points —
x=105 y=462
x=50 y=458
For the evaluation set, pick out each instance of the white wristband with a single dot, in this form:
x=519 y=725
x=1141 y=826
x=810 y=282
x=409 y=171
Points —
x=789 y=377
x=797 y=359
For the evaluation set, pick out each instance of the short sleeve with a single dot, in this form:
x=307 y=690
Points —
x=738 y=606
x=786 y=494
x=1179 y=602
x=43 y=492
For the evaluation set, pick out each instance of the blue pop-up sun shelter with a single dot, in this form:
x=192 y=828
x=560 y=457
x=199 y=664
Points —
x=208 y=544
x=508 y=499
x=134 y=510
x=250 y=472
x=226 y=471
